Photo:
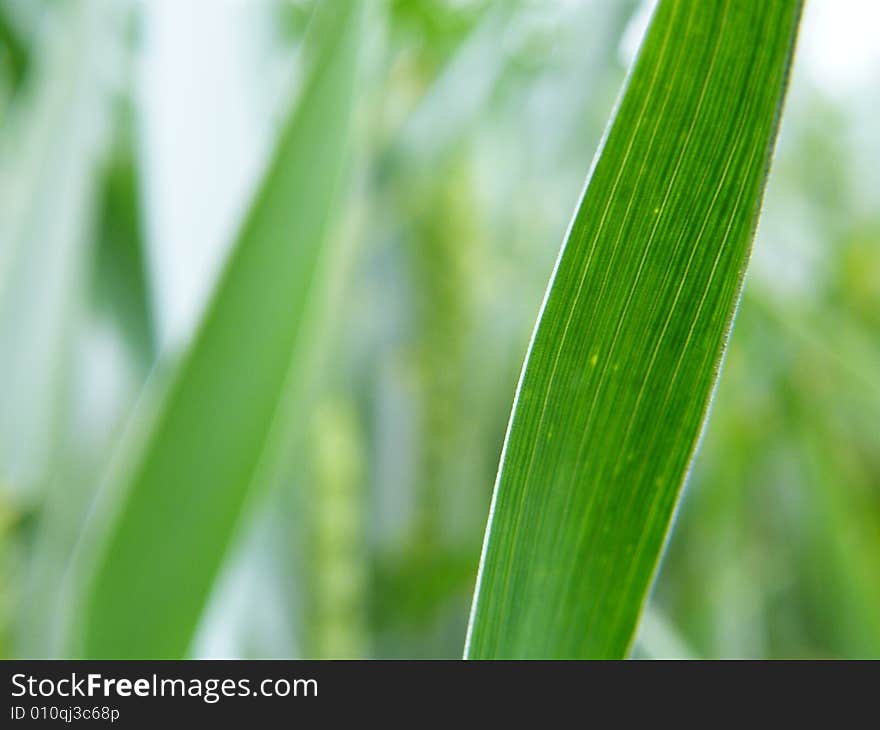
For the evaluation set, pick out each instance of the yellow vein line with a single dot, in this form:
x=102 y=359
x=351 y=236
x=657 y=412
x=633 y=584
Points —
x=708 y=287
x=648 y=95
x=607 y=360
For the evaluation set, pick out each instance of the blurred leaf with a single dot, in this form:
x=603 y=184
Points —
x=121 y=286
x=625 y=356
x=220 y=428
x=14 y=58
x=50 y=158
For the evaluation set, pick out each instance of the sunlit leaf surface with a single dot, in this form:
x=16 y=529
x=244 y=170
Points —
x=626 y=353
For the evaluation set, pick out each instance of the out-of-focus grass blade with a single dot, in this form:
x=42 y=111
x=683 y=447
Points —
x=53 y=141
x=120 y=279
x=216 y=432
x=14 y=56
x=623 y=362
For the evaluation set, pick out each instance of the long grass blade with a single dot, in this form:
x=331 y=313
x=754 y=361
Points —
x=210 y=444
x=49 y=161
x=626 y=353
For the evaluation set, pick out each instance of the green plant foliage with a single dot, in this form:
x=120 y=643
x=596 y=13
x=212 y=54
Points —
x=49 y=160
x=627 y=349
x=213 y=440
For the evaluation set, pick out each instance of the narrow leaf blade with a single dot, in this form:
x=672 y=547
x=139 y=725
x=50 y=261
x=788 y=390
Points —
x=626 y=353
x=206 y=448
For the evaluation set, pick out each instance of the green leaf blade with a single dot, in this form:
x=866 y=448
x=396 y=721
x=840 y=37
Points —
x=205 y=449
x=625 y=356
